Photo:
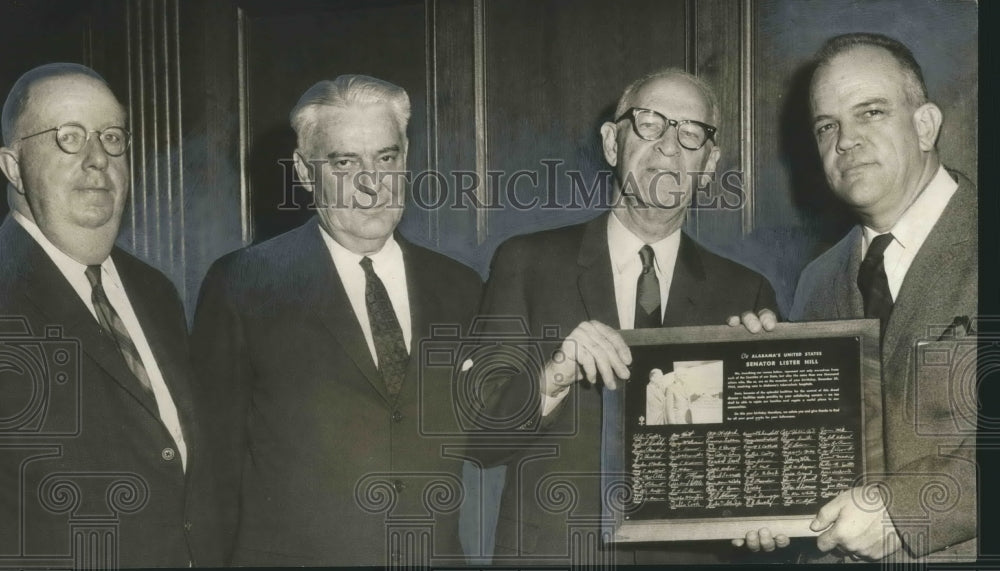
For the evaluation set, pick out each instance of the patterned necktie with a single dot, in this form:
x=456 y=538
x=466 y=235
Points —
x=386 y=332
x=647 y=292
x=112 y=324
x=874 y=284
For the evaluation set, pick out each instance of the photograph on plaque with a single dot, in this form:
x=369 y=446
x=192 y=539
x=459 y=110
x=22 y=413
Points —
x=719 y=431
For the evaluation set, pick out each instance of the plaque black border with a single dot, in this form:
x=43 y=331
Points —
x=615 y=478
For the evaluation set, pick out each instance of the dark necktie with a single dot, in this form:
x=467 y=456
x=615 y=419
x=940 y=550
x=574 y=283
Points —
x=874 y=284
x=386 y=332
x=112 y=324
x=647 y=292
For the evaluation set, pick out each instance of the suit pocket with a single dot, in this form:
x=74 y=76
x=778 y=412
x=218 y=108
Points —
x=943 y=400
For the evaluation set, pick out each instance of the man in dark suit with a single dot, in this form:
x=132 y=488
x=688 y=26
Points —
x=913 y=264
x=630 y=268
x=102 y=459
x=308 y=348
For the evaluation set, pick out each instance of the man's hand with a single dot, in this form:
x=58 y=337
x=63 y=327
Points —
x=591 y=349
x=857 y=522
x=757 y=539
x=766 y=320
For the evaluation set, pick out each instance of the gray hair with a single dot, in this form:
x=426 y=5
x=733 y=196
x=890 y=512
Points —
x=18 y=97
x=343 y=92
x=625 y=101
x=915 y=89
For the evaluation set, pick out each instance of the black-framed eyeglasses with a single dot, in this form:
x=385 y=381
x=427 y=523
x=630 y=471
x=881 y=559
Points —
x=72 y=137
x=651 y=125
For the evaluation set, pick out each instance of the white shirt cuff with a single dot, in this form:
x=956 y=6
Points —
x=550 y=403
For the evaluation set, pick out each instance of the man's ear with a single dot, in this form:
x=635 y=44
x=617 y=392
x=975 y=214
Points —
x=11 y=168
x=303 y=170
x=927 y=121
x=710 y=163
x=609 y=143
x=713 y=159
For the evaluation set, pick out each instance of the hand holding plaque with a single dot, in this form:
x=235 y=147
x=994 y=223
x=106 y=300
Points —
x=592 y=349
x=857 y=522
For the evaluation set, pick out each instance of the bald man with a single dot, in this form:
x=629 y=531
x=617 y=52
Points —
x=99 y=457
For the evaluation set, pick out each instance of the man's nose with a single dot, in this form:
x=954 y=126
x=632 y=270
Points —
x=848 y=137
x=94 y=155
x=667 y=143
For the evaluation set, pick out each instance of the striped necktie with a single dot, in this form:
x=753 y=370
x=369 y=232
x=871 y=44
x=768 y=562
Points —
x=112 y=324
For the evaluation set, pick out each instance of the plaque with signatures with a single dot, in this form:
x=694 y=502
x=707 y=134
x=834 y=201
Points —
x=720 y=431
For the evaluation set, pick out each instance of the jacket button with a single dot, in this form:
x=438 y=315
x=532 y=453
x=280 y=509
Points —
x=397 y=416
x=168 y=454
x=188 y=525
x=398 y=485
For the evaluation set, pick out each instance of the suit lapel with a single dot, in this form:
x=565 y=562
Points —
x=934 y=263
x=596 y=280
x=425 y=301
x=333 y=307
x=48 y=290
x=847 y=296
x=686 y=284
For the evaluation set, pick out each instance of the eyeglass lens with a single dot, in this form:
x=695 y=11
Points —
x=71 y=138
x=651 y=126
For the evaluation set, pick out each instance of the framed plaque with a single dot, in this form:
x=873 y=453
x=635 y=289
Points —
x=720 y=431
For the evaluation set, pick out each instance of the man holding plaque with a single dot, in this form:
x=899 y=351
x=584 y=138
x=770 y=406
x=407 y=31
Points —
x=912 y=263
x=629 y=268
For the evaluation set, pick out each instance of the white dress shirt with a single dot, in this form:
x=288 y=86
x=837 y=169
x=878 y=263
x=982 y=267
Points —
x=626 y=265
x=388 y=266
x=75 y=274
x=912 y=228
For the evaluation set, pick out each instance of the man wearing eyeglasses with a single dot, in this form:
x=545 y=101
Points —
x=629 y=268
x=98 y=448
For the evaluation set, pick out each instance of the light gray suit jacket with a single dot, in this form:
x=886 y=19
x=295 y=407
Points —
x=926 y=454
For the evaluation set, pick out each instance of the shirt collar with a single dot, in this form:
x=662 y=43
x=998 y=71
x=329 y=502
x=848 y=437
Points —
x=919 y=219
x=72 y=269
x=624 y=247
x=388 y=256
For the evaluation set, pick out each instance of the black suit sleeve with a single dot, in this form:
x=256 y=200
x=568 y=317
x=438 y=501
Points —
x=510 y=412
x=224 y=378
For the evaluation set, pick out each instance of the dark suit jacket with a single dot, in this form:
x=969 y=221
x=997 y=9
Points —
x=83 y=445
x=928 y=414
x=318 y=466
x=560 y=278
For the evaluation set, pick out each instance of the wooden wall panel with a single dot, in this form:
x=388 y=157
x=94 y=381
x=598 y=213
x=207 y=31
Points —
x=721 y=218
x=154 y=227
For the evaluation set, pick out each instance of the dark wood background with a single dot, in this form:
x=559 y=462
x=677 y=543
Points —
x=496 y=86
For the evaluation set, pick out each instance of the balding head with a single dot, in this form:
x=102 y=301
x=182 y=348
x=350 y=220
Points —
x=20 y=93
